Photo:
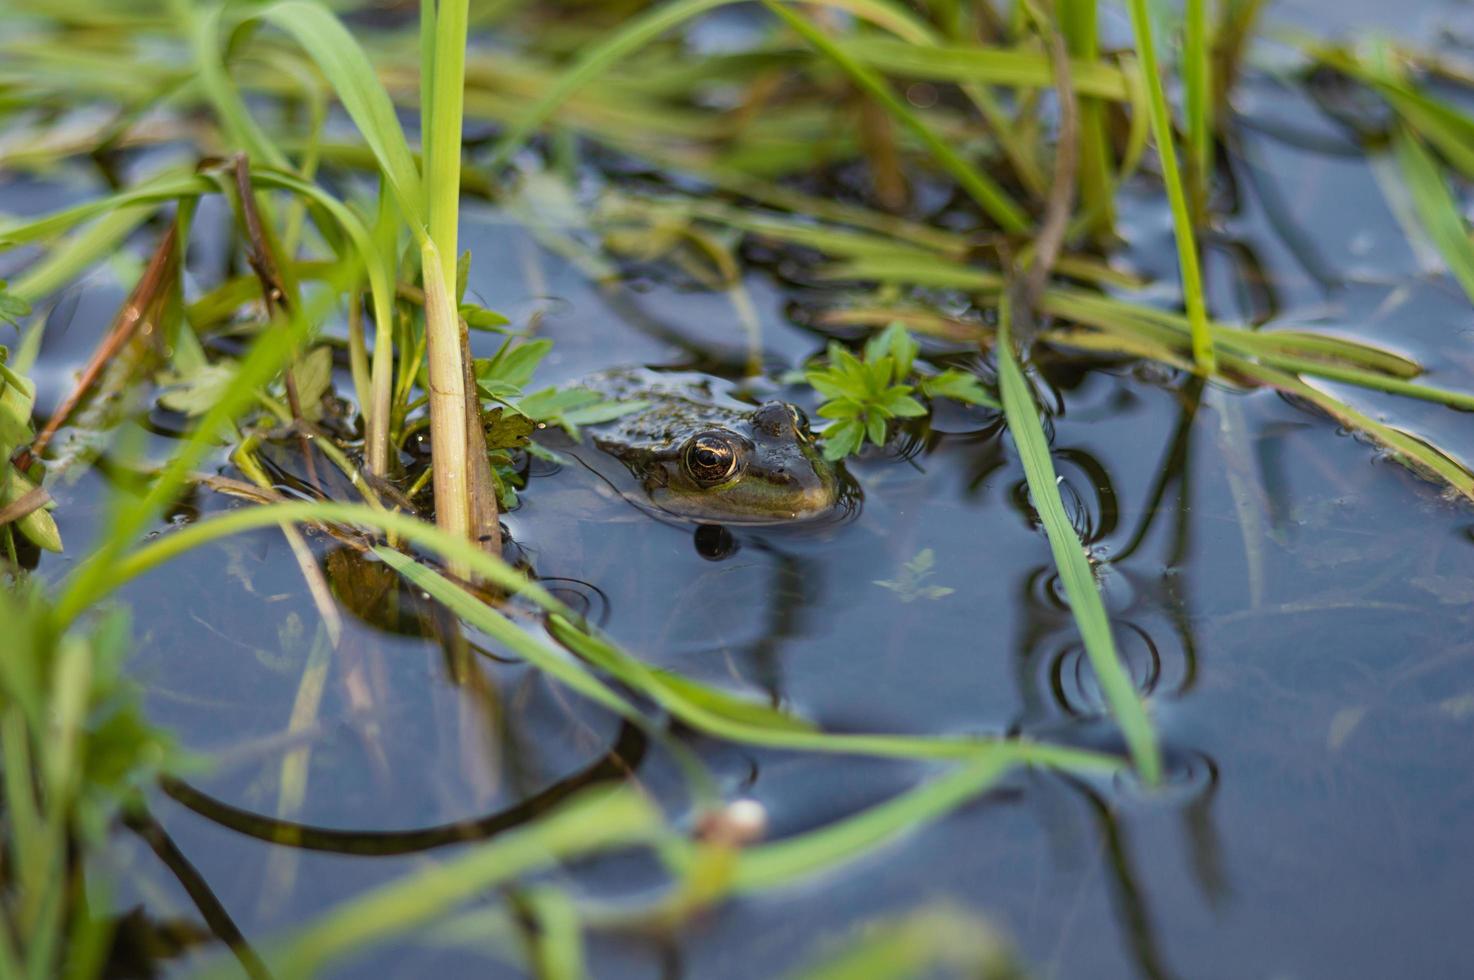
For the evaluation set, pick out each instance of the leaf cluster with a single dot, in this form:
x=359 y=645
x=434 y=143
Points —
x=502 y=378
x=513 y=416
x=864 y=394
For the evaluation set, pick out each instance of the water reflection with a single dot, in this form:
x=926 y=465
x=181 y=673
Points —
x=1132 y=904
x=212 y=911
x=622 y=758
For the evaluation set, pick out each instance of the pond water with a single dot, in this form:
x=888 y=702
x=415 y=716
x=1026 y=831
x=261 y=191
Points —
x=1297 y=606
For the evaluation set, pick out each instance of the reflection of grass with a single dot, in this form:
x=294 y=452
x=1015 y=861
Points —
x=977 y=98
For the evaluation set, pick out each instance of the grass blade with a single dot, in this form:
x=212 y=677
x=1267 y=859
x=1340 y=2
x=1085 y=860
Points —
x=1436 y=208
x=357 y=85
x=1187 y=247
x=717 y=714
x=781 y=863
x=1069 y=558
x=994 y=201
x=1078 y=23
x=504 y=631
x=1197 y=72
x=1014 y=67
x=268 y=355
x=596 y=821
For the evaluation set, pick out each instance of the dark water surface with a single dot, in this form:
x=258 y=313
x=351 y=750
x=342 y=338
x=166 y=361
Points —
x=1297 y=607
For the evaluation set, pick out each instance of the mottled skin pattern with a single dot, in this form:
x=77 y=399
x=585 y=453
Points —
x=701 y=455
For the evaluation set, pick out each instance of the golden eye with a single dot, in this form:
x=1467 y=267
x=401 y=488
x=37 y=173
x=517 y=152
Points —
x=711 y=458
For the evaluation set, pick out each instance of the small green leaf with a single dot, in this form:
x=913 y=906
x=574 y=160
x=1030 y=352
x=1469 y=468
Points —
x=463 y=275
x=550 y=403
x=911 y=585
x=828 y=384
x=198 y=392
x=850 y=366
x=902 y=405
x=514 y=363
x=480 y=318
x=867 y=393
x=601 y=412
x=12 y=308
x=875 y=428
x=313 y=375
x=959 y=386
x=17 y=398
x=880 y=373
x=896 y=343
x=843 y=439
x=841 y=408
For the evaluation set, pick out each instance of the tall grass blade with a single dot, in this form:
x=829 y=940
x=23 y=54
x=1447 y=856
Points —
x=357 y=86
x=1070 y=560
x=599 y=820
x=1016 y=67
x=700 y=707
x=994 y=201
x=1078 y=22
x=784 y=862
x=1187 y=248
x=79 y=253
x=1437 y=211
x=504 y=631
x=441 y=122
x=599 y=58
x=1197 y=77
x=203 y=28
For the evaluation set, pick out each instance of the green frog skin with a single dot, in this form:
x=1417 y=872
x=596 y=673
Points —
x=700 y=455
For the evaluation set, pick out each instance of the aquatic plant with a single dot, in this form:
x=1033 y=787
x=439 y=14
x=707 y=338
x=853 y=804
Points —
x=77 y=755
x=864 y=395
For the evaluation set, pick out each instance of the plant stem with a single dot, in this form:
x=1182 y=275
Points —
x=447 y=399
x=1078 y=23
x=1197 y=70
x=468 y=479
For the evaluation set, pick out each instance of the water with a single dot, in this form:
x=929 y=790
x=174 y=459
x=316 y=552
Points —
x=1296 y=606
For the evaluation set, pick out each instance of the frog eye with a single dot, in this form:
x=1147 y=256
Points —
x=711 y=458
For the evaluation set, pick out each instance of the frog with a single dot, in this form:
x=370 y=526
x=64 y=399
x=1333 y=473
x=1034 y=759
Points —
x=699 y=455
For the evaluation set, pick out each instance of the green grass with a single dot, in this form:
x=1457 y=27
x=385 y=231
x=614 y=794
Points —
x=1070 y=559
x=1182 y=223
x=362 y=222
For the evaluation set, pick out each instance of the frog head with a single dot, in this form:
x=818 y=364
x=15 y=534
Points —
x=755 y=467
